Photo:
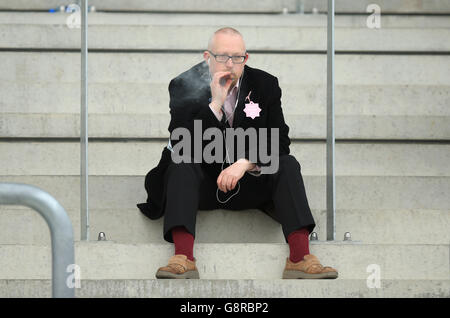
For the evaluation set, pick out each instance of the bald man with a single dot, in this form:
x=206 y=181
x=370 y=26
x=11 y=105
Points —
x=223 y=94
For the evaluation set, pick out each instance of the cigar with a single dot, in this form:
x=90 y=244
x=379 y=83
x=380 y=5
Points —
x=223 y=80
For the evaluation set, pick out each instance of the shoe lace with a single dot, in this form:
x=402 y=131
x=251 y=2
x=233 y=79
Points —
x=179 y=268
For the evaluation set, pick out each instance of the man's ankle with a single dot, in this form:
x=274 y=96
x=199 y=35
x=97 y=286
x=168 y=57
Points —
x=183 y=241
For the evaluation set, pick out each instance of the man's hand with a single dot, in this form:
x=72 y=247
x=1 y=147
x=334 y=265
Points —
x=220 y=84
x=230 y=176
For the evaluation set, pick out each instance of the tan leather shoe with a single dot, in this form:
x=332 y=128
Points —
x=309 y=267
x=179 y=267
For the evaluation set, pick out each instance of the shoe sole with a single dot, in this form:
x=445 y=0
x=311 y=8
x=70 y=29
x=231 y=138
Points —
x=302 y=275
x=169 y=275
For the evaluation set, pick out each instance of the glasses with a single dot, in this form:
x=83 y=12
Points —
x=225 y=58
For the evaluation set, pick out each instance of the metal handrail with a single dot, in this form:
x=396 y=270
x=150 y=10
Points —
x=330 y=138
x=63 y=252
x=84 y=173
x=330 y=155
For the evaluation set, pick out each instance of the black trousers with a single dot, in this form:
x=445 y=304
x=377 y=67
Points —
x=190 y=188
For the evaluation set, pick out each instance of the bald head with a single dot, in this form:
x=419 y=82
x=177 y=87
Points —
x=231 y=32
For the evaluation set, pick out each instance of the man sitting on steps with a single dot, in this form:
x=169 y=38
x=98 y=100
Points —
x=223 y=93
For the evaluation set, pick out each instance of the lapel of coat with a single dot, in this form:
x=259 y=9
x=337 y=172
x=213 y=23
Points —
x=245 y=88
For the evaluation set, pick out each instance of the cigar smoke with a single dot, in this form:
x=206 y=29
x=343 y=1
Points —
x=194 y=84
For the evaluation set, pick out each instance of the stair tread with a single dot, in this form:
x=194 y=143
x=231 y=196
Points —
x=204 y=288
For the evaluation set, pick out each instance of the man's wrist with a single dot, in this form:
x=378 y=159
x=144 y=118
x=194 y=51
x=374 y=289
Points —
x=214 y=105
x=249 y=165
x=217 y=113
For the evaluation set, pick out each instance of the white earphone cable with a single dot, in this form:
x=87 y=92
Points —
x=239 y=185
x=226 y=148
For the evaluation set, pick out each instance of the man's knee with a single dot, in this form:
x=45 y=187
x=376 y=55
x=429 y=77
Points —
x=184 y=170
x=288 y=162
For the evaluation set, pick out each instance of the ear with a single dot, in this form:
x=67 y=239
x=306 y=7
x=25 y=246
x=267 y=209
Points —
x=246 y=57
x=206 y=56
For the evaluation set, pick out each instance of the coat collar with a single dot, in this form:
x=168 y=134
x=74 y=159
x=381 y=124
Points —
x=243 y=92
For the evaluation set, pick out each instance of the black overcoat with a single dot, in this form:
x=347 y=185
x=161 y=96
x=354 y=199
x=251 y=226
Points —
x=190 y=95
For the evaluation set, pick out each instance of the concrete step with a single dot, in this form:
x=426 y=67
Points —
x=137 y=158
x=359 y=127
x=109 y=260
x=26 y=66
x=298 y=99
x=386 y=6
x=261 y=32
x=205 y=288
x=370 y=226
x=352 y=192
x=300 y=69
x=253 y=6
x=208 y=19
x=159 y=5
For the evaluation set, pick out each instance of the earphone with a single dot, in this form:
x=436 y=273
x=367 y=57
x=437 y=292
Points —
x=169 y=145
x=226 y=148
x=239 y=184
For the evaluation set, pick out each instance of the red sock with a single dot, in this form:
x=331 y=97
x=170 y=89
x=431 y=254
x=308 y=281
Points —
x=184 y=242
x=298 y=244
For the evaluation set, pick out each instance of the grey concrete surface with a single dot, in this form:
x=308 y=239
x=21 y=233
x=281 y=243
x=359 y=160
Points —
x=273 y=32
x=112 y=126
x=109 y=260
x=300 y=69
x=352 y=192
x=137 y=158
x=388 y=87
x=369 y=226
x=153 y=99
x=340 y=288
x=390 y=6
x=387 y=6
x=13 y=18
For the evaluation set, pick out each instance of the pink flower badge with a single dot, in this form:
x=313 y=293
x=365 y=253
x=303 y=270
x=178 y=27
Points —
x=251 y=109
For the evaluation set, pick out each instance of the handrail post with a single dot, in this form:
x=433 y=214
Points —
x=61 y=231
x=331 y=180
x=84 y=173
